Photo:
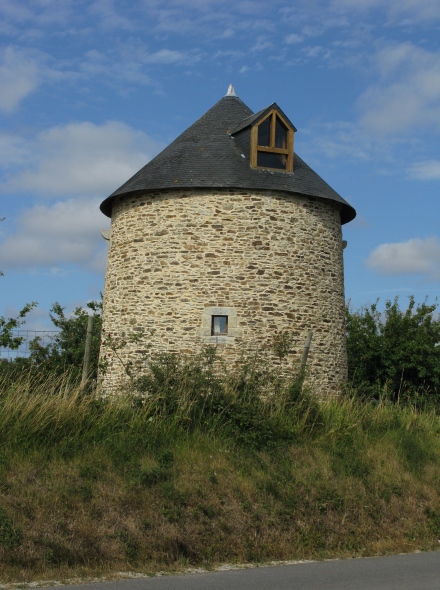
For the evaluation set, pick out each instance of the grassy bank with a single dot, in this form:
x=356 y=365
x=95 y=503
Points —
x=204 y=470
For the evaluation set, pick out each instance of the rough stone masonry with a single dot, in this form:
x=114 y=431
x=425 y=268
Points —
x=227 y=238
x=269 y=261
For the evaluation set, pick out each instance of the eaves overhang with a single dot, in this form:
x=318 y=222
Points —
x=206 y=155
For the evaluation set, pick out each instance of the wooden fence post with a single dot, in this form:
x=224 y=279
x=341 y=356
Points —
x=86 y=363
x=306 y=351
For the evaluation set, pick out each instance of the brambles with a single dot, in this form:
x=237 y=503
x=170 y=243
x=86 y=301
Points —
x=113 y=347
x=281 y=343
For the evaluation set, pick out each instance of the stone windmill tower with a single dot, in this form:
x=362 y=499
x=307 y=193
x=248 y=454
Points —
x=224 y=238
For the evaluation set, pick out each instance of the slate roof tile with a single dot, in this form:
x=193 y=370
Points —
x=207 y=156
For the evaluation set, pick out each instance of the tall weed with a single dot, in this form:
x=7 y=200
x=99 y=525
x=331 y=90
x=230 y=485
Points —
x=196 y=465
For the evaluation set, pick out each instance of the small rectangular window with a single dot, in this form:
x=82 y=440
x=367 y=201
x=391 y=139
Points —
x=219 y=325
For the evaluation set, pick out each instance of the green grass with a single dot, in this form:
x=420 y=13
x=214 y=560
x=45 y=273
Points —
x=198 y=469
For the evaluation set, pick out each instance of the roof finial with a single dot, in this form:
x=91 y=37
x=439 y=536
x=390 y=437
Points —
x=231 y=91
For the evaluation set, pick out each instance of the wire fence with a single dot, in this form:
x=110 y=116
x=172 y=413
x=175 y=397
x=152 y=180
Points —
x=45 y=337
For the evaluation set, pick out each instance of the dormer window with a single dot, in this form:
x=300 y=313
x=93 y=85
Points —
x=272 y=143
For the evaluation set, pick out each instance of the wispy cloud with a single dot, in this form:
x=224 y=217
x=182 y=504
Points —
x=114 y=70
x=220 y=19
x=169 y=56
x=47 y=12
x=415 y=256
x=109 y=17
x=55 y=235
x=293 y=38
x=229 y=54
x=130 y=64
x=394 y=112
x=262 y=44
x=429 y=170
x=407 y=94
x=313 y=51
x=19 y=76
x=395 y=10
x=76 y=159
x=349 y=140
x=14 y=150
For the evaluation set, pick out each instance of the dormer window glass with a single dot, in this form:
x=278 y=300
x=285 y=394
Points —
x=264 y=132
x=272 y=143
x=280 y=134
x=268 y=160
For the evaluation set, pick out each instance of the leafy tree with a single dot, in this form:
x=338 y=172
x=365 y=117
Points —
x=8 y=325
x=66 y=351
x=395 y=349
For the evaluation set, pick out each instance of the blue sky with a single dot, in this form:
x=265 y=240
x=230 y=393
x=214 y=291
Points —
x=91 y=90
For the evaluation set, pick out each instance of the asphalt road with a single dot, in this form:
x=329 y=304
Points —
x=414 y=571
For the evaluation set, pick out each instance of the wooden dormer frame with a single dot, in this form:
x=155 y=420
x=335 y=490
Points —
x=271 y=149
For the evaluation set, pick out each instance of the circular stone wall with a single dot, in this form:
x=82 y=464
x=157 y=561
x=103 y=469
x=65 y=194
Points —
x=267 y=261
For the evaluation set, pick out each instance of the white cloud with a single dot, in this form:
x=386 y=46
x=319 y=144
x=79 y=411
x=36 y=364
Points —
x=13 y=150
x=396 y=10
x=261 y=45
x=429 y=170
x=407 y=95
x=83 y=160
x=418 y=10
x=415 y=256
x=217 y=19
x=66 y=232
x=313 y=51
x=15 y=12
x=342 y=139
x=109 y=17
x=168 y=57
x=19 y=77
x=229 y=54
x=129 y=64
x=78 y=159
x=39 y=13
x=293 y=38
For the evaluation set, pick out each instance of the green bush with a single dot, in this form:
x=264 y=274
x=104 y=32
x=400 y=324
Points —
x=7 y=326
x=66 y=351
x=392 y=353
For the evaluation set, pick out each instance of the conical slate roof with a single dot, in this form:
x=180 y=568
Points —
x=206 y=155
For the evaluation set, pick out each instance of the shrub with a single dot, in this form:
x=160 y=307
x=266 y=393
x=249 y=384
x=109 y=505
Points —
x=393 y=353
x=66 y=352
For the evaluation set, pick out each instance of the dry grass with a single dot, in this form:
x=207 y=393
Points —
x=90 y=487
